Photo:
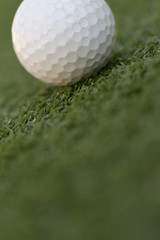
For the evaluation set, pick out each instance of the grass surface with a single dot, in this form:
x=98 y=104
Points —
x=83 y=162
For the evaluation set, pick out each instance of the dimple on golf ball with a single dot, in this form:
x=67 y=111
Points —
x=63 y=41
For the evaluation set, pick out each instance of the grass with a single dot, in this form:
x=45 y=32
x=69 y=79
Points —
x=82 y=162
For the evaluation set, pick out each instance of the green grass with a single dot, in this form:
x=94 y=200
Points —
x=83 y=162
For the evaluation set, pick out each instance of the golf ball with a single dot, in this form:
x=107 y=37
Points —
x=63 y=41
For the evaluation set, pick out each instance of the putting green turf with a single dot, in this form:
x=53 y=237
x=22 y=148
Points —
x=83 y=162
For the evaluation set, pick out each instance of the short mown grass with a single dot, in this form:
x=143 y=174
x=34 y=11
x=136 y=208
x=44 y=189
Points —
x=83 y=162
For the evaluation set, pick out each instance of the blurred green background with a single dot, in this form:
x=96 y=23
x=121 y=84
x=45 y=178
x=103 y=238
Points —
x=82 y=162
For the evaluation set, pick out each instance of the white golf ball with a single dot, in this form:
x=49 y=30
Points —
x=63 y=41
